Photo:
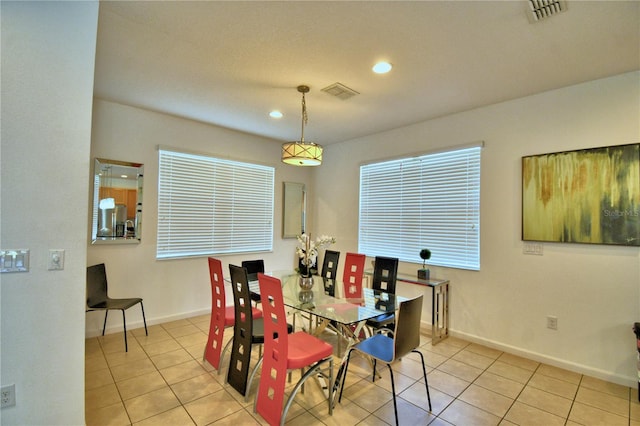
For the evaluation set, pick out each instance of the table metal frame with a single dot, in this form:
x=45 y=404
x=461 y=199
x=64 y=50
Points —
x=439 y=303
x=364 y=312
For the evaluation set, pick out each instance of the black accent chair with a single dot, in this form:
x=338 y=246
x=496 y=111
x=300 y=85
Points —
x=330 y=264
x=385 y=273
x=387 y=349
x=253 y=267
x=99 y=300
x=247 y=331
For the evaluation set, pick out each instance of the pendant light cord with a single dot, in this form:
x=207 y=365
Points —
x=305 y=117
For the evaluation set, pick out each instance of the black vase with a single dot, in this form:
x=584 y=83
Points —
x=306 y=271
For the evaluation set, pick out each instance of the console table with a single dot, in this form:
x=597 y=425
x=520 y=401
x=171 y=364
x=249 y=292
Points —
x=439 y=303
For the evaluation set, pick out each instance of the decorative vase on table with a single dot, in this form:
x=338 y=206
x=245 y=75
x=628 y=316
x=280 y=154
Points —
x=423 y=274
x=305 y=283
x=307 y=253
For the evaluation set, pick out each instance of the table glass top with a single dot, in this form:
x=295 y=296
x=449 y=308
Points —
x=431 y=282
x=321 y=299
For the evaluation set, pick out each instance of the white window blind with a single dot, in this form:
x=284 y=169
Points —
x=209 y=206
x=431 y=201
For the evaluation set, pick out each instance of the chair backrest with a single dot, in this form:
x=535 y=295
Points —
x=385 y=272
x=242 y=329
x=407 y=333
x=352 y=275
x=253 y=267
x=330 y=264
x=217 y=285
x=241 y=295
x=274 y=368
x=218 y=307
x=96 y=284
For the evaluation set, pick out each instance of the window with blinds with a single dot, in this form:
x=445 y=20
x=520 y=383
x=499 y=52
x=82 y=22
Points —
x=431 y=201
x=211 y=206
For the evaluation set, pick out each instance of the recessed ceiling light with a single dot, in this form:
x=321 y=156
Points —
x=382 y=67
x=123 y=176
x=275 y=114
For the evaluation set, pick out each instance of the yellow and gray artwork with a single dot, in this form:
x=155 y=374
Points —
x=586 y=196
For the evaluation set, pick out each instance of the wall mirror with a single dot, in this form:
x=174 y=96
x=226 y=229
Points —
x=117 y=202
x=294 y=209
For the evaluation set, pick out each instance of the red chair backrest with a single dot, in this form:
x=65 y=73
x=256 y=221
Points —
x=274 y=367
x=217 y=323
x=352 y=275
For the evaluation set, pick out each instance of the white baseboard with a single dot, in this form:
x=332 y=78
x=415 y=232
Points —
x=630 y=381
x=139 y=324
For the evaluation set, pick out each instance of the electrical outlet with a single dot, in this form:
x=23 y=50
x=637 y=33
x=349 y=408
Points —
x=532 y=248
x=552 y=322
x=8 y=395
x=56 y=260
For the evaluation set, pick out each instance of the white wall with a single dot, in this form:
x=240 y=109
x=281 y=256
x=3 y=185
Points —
x=593 y=289
x=48 y=54
x=174 y=289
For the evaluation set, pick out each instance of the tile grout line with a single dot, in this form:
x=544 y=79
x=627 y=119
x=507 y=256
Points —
x=448 y=354
x=164 y=379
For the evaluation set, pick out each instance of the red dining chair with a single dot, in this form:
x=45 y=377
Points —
x=352 y=275
x=283 y=352
x=222 y=316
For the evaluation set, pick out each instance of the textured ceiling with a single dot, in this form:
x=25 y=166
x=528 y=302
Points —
x=230 y=63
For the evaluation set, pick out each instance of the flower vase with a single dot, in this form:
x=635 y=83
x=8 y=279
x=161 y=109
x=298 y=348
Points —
x=305 y=296
x=305 y=283
x=306 y=270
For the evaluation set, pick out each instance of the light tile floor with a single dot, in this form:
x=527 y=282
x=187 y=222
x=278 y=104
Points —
x=162 y=380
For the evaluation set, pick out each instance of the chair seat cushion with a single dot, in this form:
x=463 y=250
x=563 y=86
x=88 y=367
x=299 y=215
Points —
x=258 y=331
x=305 y=349
x=381 y=320
x=257 y=337
x=116 y=303
x=378 y=346
x=230 y=315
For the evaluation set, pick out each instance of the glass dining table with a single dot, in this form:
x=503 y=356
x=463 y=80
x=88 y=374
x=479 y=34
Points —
x=325 y=301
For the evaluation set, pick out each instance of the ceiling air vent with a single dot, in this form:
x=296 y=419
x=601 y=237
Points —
x=340 y=91
x=542 y=9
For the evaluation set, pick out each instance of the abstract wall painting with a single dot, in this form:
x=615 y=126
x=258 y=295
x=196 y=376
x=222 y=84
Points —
x=589 y=196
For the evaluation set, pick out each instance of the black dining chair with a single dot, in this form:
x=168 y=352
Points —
x=222 y=317
x=99 y=300
x=330 y=264
x=247 y=331
x=405 y=340
x=253 y=267
x=385 y=273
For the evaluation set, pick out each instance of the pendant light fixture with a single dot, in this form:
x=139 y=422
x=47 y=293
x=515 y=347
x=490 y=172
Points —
x=301 y=153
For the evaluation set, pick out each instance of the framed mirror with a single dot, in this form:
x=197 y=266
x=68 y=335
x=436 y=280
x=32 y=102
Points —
x=294 y=209
x=117 y=202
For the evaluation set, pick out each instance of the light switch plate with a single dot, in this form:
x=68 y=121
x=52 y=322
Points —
x=56 y=259
x=14 y=260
